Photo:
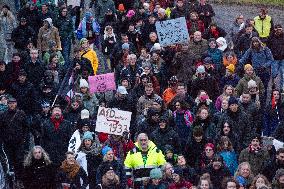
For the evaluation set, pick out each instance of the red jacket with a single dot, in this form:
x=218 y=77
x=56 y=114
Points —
x=182 y=184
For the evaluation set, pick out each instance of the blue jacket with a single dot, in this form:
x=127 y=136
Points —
x=259 y=59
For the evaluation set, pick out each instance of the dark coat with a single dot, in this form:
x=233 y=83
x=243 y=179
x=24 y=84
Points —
x=209 y=128
x=25 y=95
x=279 y=132
x=209 y=84
x=55 y=142
x=35 y=72
x=75 y=183
x=178 y=12
x=270 y=169
x=256 y=160
x=118 y=169
x=39 y=175
x=276 y=45
x=21 y=36
x=240 y=125
x=13 y=127
x=216 y=176
x=208 y=33
x=167 y=136
x=202 y=11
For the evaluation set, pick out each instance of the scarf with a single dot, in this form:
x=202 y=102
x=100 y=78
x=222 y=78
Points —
x=56 y=122
x=252 y=149
x=71 y=170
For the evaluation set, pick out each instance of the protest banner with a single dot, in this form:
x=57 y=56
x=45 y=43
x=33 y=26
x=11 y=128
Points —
x=102 y=83
x=113 y=121
x=171 y=32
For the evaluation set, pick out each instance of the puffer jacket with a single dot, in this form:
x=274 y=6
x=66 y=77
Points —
x=243 y=84
x=45 y=35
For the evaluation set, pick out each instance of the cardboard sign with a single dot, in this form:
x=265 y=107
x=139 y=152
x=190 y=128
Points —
x=171 y=32
x=102 y=83
x=113 y=121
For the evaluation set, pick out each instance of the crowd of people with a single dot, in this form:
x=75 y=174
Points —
x=204 y=114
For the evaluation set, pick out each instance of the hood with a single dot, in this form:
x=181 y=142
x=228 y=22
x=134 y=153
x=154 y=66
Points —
x=49 y=20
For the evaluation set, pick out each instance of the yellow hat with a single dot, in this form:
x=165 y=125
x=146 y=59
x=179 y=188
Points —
x=248 y=66
x=231 y=68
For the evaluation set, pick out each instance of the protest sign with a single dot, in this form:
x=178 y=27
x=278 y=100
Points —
x=74 y=142
x=171 y=32
x=113 y=121
x=102 y=83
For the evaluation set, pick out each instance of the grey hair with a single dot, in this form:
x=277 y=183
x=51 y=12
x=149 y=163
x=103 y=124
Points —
x=29 y=157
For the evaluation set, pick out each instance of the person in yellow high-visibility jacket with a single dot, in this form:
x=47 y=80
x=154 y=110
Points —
x=89 y=53
x=263 y=24
x=142 y=159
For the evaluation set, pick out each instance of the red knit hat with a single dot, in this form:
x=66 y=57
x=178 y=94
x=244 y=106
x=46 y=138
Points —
x=209 y=145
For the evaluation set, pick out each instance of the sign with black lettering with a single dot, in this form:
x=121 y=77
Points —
x=113 y=121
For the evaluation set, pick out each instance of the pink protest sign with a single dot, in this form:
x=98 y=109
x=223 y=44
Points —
x=102 y=83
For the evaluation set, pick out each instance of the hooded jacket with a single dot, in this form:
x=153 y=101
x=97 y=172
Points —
x=47 y=34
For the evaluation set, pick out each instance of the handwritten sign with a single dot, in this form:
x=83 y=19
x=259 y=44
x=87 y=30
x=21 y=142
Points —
x=171 y=32
x=102 y=83
x=113 y=121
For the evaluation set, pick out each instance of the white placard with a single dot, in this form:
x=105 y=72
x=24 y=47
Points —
x=113 y=121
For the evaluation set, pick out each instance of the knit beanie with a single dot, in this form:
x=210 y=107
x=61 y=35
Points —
x=231 y=68
x=88 y=135
x=252 y=84
x=105 y=150
x=84 y=83
x=210 y=145
x=233 y=100
x=85 y=114
x=156 y=173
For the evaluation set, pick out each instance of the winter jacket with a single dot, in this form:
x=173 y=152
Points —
x=90 y=162
x=145 y=101
x=259 y=59
x=39 y=174
x=55 y=141
x=230 y=160
x=8 y=22
x=91 y=55
x=256 y=160
x=240 y=125
x=79 y=181
x=196 y=49
x=232 y=80
x=234 y=32
x=118 y=169
x=102 y=7
x=14 y=127
x=216 y=55
x=243 y=84
x=216 y=176
x=279 y=132
x=253 y=113
x=46 y=35
x=65 y=27
x=167 y=136
x=131 y=72
x=91 y=103
x=208 y=127
x=35 y=72
x=263 y=26
x=135 y=163
x=193 y=151
x=208 y=84
x=204 y=9
x=21 y=36
x=181 y=184
x=244 y=42
x=183 y=123
x=25 y=95
x=275 y=44
x=178 y=12
x=270 y=169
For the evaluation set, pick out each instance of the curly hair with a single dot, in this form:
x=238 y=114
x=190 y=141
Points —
x=29 y=158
